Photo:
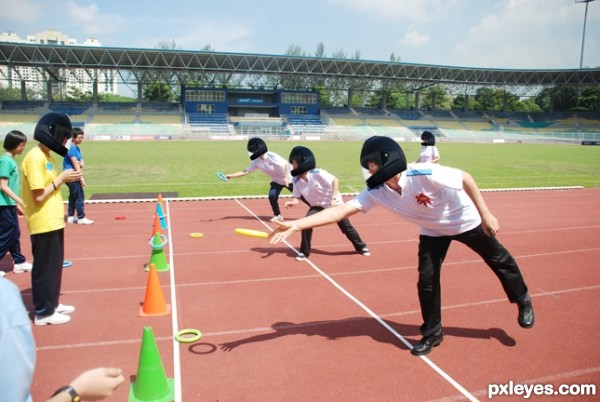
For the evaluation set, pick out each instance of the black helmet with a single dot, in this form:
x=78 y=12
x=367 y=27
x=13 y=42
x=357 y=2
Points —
x=305 y=159
x=52 y=129
x=256 y=147
x=387 y=154
x=428 y=138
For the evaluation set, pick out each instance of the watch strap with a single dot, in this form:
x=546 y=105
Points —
x=71 y=391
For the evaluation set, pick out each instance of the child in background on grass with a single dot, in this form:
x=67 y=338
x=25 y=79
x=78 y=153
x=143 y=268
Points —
x=429 y=152
x=274 y=166
x=74 y=160
x=11 y=205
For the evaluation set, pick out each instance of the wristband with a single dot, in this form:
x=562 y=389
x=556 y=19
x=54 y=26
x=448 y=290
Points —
x=67 y=388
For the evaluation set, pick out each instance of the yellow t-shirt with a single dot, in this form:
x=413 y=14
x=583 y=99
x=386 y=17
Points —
x=38 y=172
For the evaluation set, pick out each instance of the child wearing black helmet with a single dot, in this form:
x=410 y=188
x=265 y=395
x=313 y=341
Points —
x=320 y=190
x=44 y=214
x=446 y=204
x=429 y=152
x=271 y=164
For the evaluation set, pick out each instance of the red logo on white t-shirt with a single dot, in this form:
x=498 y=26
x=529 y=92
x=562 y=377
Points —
x=423 y=199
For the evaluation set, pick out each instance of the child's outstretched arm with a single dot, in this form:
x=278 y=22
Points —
x=327 y=216
x=237 y=174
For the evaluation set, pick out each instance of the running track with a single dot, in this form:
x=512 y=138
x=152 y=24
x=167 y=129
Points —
x=337 y=327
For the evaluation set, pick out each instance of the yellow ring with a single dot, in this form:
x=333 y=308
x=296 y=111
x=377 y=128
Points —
x=181 y=338
x=196 y=234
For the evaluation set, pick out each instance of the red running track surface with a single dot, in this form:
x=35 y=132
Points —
x=336 y=327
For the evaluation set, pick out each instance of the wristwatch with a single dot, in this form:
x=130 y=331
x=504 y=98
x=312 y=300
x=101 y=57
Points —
x=67 y=388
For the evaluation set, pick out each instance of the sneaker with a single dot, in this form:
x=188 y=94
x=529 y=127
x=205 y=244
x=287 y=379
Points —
x=64 y=309
x=84 y=221
x=300 y=257
x=71 y=219
x=276 y=218
x=54 y=319
x=22 y=267
x=365 y=251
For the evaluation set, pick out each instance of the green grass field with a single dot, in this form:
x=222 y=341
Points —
x=188 y=167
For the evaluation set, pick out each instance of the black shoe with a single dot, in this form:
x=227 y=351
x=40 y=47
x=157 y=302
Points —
x=424 y=346
x=526 y=317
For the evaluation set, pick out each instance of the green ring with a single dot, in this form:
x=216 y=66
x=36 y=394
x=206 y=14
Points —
x=181 y=338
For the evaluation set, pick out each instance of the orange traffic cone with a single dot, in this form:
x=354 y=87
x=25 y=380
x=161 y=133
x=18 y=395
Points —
x=160 y=201
x=154 y=301
x=151 y=382
x=156 y=227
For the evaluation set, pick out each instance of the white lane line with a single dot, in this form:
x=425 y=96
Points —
x=174 y=312
x=554 y=293
x=431 y=364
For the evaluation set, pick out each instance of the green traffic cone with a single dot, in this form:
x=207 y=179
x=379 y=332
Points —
x=151 y=382
x=158 y=256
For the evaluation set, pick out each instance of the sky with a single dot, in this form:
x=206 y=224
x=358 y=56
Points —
x=520 y=34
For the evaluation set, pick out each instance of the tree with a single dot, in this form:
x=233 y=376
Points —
x=442 y=100
x=159 y=92
x=590 y=98
x=486 y=99
x=10 y=93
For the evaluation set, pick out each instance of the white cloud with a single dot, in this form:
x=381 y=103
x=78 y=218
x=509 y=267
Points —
x=26 y=12
x=521 y=34
x=92 y=22
x=415 y=39
x=222 y=36
x=407 y=10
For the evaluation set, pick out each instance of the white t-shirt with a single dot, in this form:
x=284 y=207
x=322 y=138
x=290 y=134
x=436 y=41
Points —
x=432 y=198
x=17 y=345
x=317 y=190
x=428 y=153
x=273 y=166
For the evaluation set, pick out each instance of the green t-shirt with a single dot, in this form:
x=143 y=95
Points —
x=9 y=170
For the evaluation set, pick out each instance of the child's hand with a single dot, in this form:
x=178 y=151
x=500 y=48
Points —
x=283 y=230
x=490 y=224
x=70 y=175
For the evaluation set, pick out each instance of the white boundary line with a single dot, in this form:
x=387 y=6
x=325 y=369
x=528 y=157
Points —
x=431 y=364
x=249 y=197
x=174 y=313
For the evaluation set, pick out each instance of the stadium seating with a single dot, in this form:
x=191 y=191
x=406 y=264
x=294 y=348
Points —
x=212 y=122
x=151 y=119
x=305 y=124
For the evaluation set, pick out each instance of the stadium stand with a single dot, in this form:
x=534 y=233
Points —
x=212 y=122
x=151 y=120
x=305 y=124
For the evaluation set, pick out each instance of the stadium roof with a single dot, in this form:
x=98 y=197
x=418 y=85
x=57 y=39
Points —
x=189 y=66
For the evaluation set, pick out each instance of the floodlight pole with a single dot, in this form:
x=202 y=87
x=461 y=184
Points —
x=587 y=3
